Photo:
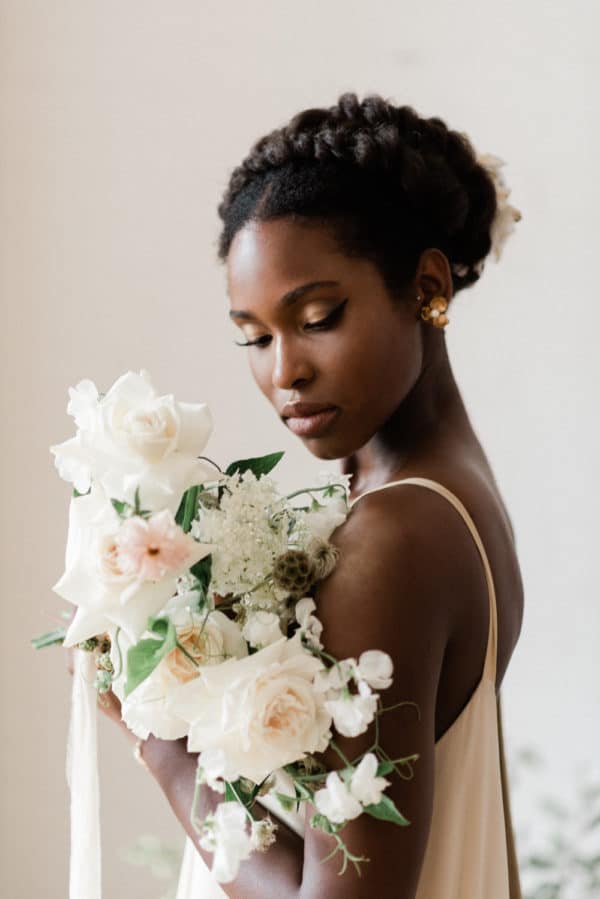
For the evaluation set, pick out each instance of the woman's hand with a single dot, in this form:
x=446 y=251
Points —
x=108 y=702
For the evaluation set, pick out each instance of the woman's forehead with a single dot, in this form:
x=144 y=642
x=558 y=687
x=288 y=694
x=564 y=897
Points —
x=280 y=254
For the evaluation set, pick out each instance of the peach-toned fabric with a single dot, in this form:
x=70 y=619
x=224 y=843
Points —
x=467 y=854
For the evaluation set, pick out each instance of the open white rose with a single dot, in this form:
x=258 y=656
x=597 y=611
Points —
x=131 y=438
x=206 y=641
x=263 y=710
x=108 y=596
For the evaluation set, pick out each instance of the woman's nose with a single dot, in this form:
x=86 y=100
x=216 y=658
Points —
x=290 y=364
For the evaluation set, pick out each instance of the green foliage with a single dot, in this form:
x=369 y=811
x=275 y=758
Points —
x=258 y=465
x=76 y=492
x=50 y=638
x=143 y=658
x=386 y=810
x=203 y=571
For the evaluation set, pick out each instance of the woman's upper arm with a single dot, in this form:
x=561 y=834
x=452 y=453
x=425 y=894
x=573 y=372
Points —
x=385 y=593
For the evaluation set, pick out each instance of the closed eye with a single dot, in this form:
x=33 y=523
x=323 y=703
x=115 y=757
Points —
x=322 y=324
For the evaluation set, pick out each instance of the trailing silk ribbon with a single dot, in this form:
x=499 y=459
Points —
x=82 y=755
x=82 y=777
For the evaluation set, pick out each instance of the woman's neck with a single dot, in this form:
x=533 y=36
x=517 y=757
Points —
x=421 y=433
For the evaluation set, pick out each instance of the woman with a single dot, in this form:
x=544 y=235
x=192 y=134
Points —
x=346 y=235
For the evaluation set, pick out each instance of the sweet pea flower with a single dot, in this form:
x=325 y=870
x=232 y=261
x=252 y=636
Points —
x=353 y=712
x=364 y=783
x=375 y=667
x=335 y=800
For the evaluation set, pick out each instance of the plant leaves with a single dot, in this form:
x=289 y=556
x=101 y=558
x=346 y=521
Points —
x=384 y=768
x=258 y=465
x=120 y=507
x=77 y=493
x=386 y=810
x=203 y=571
x=143 y=658
x=50 y=638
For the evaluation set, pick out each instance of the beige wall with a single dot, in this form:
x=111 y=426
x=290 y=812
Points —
x=120 y=123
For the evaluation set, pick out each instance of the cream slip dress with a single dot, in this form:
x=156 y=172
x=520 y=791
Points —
x=470 y=840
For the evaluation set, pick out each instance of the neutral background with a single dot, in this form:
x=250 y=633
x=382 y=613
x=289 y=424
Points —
x=120 y=124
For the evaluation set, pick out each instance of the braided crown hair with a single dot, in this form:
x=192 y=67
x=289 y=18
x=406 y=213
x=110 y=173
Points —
x=389 y=182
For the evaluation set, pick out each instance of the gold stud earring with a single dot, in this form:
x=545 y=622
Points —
x=434 y=311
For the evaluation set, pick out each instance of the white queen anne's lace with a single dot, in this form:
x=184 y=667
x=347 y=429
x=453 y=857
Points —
x=247 y=536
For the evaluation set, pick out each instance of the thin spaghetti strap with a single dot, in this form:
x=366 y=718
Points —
x=489 y=669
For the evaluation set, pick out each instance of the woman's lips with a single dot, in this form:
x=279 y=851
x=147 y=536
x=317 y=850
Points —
x=312 y=425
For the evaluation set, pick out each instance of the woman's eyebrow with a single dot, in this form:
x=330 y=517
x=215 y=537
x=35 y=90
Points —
x=286 y=300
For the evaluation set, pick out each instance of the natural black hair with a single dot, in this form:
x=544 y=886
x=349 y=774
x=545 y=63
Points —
x=389 y=182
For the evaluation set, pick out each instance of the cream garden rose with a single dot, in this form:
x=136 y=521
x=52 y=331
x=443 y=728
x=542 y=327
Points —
x=207 y=640
x=133 y=438
x=262 y=711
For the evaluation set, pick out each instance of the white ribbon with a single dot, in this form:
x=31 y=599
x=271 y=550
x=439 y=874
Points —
x=82 y=777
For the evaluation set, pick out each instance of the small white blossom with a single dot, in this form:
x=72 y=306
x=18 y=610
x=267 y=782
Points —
x=263 y=834
x=376 y=668
x=335 y=800
x=212 y=769
x=225 y=834
x=352 y=713
x=364 y=783
x=310 y=626
x=261 y=629
x=331 y=680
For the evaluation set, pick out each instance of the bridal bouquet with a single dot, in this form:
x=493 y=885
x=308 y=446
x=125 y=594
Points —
x=194 y=595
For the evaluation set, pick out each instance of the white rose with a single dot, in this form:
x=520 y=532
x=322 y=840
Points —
x=335 y=800
x=262 y=628
x=364 y=783
x=376 y=667
x=352 y=713
x=134 y=438
x=262 y=710
x=208 y=641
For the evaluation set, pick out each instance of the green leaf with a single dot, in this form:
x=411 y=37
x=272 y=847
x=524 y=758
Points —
x=287 y=802
x=258 y=465
x=386 y=810
x=49 y=639
x=143 y=658
x=384 y=768
x=120 y=507
x=203 y=571
x=189 y=509
x=77 y=493
x=322 y=823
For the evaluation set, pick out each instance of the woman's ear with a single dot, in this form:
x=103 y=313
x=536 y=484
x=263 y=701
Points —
x=433 y=276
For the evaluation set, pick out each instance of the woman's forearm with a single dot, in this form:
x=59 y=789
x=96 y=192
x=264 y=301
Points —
x=274 y=874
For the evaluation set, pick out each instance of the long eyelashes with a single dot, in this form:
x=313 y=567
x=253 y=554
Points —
x=322 y=324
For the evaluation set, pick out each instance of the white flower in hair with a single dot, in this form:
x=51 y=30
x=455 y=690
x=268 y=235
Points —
x=506 y=215
x=504 y=220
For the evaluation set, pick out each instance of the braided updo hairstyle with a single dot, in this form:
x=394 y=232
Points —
x=389 y=182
